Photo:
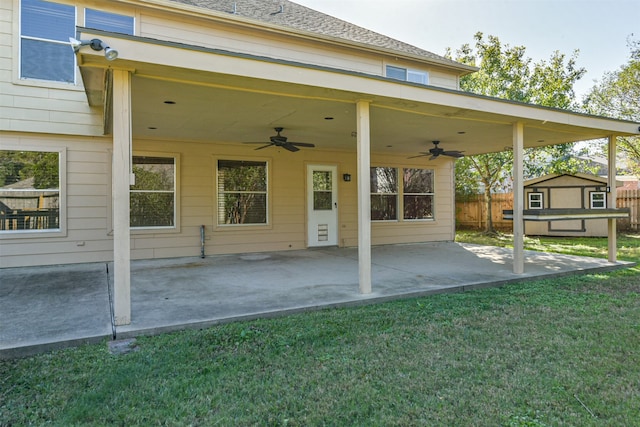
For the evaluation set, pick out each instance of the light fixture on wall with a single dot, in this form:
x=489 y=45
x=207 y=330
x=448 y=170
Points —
x=346 y=177
x=95 y=44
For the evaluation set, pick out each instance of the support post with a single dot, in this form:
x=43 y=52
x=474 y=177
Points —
x=364 y=196
x=121 y=179
x=611 y=201
x=518 y=198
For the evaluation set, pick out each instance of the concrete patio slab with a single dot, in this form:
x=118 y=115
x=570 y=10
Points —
x=50 y=307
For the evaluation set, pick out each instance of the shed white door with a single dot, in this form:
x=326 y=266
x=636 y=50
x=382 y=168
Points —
x=322 y=205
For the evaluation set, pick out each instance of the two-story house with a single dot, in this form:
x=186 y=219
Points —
x=134 y=129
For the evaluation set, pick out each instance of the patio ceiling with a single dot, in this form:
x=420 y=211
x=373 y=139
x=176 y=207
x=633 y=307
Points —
x=206 y=102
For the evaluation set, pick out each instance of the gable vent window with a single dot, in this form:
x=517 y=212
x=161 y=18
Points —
x=407 y=75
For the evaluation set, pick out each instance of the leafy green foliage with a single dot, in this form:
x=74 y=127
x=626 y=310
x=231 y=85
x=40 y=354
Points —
x=618 y=96
x=42 y=166
x=506 y=72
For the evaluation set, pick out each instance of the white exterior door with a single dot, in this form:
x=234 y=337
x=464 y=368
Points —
x=322 y=205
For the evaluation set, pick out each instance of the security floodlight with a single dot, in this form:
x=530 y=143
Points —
x=95 y=44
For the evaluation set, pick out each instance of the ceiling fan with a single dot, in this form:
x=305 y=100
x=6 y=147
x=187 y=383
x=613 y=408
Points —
x=437 y=151
x=281 y=141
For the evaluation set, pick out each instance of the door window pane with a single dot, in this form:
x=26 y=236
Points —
x=322 y=190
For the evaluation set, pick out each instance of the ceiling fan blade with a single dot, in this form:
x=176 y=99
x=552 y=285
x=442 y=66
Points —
x=264 y=146
x=419 y=155
x=289 y=146
x=434 y=156
x=302 y=144
x=456 y=154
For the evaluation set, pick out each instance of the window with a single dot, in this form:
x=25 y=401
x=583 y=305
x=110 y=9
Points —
x=242 y=192
x=535 y=201
x=407 y=75
x=153 y=197
x=29 y=190
x=384 y=194
x=108 y=21
x=45 y=28
x=417 y=193
x=598 y=200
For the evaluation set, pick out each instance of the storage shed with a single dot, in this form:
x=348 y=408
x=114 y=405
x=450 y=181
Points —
x=583 y=195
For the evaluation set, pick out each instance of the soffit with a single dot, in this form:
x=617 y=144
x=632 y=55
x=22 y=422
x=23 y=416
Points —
x=215 y=98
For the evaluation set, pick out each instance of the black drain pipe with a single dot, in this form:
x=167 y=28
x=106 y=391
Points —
x=111 y=309
x=202 y=241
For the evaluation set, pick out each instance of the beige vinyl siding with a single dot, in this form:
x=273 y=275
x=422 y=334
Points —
x=38 y=106
x=220 y=36
x=89 y=204
x=271 y=45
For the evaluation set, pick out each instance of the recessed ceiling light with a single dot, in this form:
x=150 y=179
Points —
x=541 y=140
x=328 y=118
x=152 y=128
x=389 y=146
x=170 y=102
x=461 y=132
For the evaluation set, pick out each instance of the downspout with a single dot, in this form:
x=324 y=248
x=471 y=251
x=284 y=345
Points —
x=202 y=241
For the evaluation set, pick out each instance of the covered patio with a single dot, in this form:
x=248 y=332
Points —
x=51 y=307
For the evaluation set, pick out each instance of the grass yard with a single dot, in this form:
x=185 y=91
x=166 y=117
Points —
x=551 y=352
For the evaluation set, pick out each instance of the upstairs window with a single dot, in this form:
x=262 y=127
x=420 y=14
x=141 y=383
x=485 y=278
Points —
x=407 y=75
x=598 y=200
x=535 y=201
x=45 y=28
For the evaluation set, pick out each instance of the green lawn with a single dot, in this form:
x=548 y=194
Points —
x=552 y=352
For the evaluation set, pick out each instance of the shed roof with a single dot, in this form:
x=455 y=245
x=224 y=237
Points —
x=551 y=177
x=291 y=15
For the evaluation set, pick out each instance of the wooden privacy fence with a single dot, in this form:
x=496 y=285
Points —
x=629 y=199
x=471 y=212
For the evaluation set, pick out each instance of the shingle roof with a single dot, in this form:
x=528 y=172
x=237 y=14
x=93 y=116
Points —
x=289 y=14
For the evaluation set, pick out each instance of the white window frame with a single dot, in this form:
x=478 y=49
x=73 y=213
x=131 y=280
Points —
x=62 y=195
x=432 y=194
x=533 y=203
x=221 y=225
x=593 y=203
x=396 y=194
x=176 y=195
x=80 y=21
x=410 y=75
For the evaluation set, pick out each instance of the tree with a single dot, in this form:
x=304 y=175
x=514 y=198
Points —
x=505 y=72
x=618 y=96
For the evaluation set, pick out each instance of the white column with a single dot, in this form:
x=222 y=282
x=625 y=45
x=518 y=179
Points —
x=611 y=201
x=121 y=175
x=518 y=198
x=364 y=196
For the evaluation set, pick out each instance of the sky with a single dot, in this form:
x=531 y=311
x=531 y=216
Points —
x=599 y=29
